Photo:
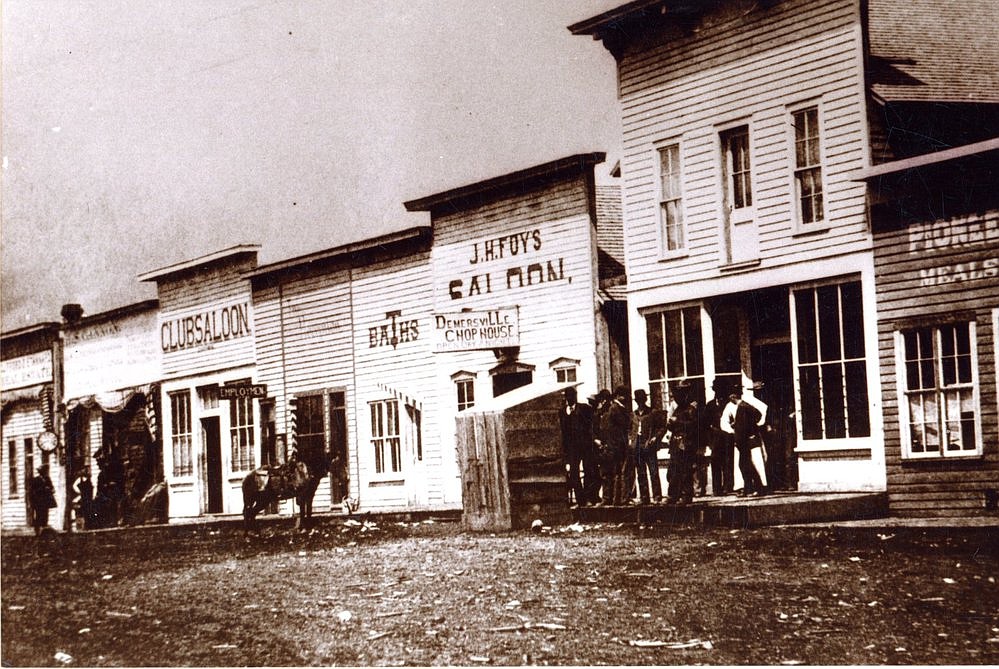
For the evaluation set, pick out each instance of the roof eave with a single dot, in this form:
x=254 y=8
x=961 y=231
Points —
x=211 y=258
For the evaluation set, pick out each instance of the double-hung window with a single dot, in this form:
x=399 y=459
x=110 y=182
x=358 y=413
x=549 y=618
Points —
x=180 y=432
x=241 y=433
x=741 y=242
x=385 y=438
x=831 y=362
x=674 y=235
x=808 y=167
x=465 y=387
x=939 y=408
x=12 y=469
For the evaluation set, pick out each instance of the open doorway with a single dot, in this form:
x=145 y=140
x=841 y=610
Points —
x=210 y=430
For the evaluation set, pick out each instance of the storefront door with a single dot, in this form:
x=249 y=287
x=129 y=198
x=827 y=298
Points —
x=213 y=464
x=772 y=365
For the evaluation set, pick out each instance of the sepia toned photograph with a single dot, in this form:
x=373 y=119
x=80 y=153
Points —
x=472 y=333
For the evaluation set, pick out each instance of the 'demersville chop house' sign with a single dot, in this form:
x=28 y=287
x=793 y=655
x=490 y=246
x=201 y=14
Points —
x=475 y=330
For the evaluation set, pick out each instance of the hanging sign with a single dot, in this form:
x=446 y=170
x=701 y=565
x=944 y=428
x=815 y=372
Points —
x=242 y=390
x=474 y=330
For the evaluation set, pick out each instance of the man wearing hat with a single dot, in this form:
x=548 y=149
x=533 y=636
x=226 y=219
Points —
x=41 y=498
x=576 y=424
x=616 y=429
x=720 y=442
x=649 y=426
x=685 y=424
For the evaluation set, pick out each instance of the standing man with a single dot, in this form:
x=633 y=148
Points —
x=685 y=424
x=616 y=430
x=41 y=497
x=720 y=442
x=576 y=423
x=742 y=420
x=649 y=427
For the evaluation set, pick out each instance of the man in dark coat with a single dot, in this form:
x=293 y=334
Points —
x=616 y=430
x=41 y=498
x=649 y=426
x=576 y=423
x=685 y=425
x=720 y=442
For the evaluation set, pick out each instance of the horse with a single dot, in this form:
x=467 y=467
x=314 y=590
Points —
x=296 y=479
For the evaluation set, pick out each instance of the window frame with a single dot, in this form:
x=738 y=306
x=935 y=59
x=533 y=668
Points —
x=385 y=443
x=181 y=441
x=13 y=487
x=241 y=435
x=662 y=225
x=800 y=226
x=938 y=391
x=825 y=442
x=464 y=381
x=660 y=388
x=565 y=367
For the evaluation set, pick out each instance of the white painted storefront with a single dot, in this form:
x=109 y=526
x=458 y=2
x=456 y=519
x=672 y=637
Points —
x=205 y=335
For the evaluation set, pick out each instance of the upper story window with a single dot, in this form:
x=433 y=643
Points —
x=735 y=144
x=180 y=432
x=832 y=362
x=808 y=166
x=565 y=369
x=464 y=385
x=939 y=411
x=674 y=235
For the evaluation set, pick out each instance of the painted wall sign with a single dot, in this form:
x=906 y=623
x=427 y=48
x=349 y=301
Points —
x=396 y=331
x=241 y=390
x=474 y=330
x=964 y=272
x=26 y=370
x=522 y=275
x=956 y=233
x=209 y=327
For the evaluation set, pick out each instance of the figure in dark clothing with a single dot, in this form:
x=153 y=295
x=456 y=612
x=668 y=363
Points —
x=603 y=453
x=83 y=499
x=720 y=442
x=742 y=420
x=576 y=423
x=685 y=426
x=615 y=430
x=41 y=498
x=649 y=426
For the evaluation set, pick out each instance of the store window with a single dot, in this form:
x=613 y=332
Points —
x=385 y=439
x=831 y=362
x=180 y=432
x=309 y=429
x=241 y=426
x=808 y=167
x=939 y=412
x=675 y=351
x=12 y=487
x=673 y=232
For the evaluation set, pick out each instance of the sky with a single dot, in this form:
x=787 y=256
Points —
x=141 y=133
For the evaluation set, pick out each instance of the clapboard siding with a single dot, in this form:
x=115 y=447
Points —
x=938 y=487
x=402 y=285
x=21 y=421
x=744 y=65
x=205 y=291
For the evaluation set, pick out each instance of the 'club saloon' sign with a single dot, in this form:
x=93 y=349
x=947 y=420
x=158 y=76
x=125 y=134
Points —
x=475 y=330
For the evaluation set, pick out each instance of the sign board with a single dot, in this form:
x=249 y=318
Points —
x=475 y=330
x=235 y=392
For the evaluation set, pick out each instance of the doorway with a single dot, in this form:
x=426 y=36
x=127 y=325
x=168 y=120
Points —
x=772 y=365
x=211 y=433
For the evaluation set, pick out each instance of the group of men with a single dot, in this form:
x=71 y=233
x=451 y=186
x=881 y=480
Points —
x=610 y=447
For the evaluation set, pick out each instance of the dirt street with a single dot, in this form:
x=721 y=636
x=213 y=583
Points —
x=426 y=593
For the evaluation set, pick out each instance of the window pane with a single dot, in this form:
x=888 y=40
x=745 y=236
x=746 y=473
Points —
x=674 y=344
x=829 y=323
x=811 y=406
x=852 y=305
x=804 y=308
x=654 y=344
x=857 y=405
x=833 y=405
x=692 y=340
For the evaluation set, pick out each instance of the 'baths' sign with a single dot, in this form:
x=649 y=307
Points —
x=473 y=330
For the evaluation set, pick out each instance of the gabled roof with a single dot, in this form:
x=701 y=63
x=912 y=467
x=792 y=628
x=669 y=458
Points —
x=934 y=50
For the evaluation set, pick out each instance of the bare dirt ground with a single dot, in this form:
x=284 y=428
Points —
x=429 y=594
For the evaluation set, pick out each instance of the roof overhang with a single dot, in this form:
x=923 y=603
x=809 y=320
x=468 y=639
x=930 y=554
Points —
x=459 y=198
x=988 y=150
x=401 y=241
x=229 y=254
